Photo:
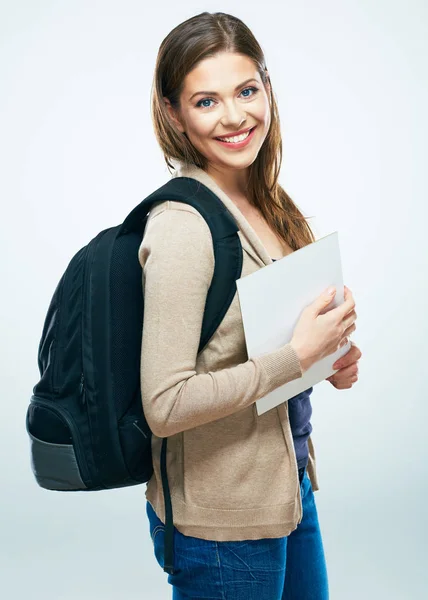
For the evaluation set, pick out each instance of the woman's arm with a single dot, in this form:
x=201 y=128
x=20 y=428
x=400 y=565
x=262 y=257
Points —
x=177 y=258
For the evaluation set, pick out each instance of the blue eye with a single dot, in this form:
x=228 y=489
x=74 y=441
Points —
x=252 y=89
x=247 y=90
x=199 y=104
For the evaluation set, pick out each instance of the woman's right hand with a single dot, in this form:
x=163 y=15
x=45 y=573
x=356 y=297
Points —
x=321 y=331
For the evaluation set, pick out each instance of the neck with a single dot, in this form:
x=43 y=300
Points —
x=233 y=182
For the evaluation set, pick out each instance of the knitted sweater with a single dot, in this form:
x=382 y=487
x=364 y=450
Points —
x=232 y=473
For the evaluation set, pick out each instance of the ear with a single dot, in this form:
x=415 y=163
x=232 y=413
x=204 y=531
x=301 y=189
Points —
x=173 y=116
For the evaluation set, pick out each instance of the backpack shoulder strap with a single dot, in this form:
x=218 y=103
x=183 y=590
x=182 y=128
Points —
x=227 y=269
x=226 y=243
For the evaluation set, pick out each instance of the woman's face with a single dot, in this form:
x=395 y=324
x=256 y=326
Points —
x=217 y=100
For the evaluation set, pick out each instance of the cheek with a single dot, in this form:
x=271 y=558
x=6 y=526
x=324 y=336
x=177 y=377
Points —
x=264 y=114
x=201 y=127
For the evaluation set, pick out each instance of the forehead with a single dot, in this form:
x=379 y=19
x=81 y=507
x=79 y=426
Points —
x=221 y=72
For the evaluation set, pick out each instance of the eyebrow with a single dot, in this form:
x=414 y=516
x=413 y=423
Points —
x=216 y=93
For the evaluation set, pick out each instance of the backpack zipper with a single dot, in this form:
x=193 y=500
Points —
x=64 y=294
x=58 y=331
x=135 y=424
x=82 y=390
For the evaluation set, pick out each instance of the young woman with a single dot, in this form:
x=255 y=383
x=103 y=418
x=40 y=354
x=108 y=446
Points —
x=245 y=520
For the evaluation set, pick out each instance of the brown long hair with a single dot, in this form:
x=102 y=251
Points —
x=190 y=42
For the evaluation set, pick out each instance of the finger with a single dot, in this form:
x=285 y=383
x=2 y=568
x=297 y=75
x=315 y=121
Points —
x=353 y=354
x=355 y=350
x=351 y=316
x=347 y=372
x=358 y=353
x=349 y=359
x=349 y=329
x=348 y=305
x=344 y=384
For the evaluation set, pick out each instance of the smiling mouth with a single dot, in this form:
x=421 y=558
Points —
x=237 y=138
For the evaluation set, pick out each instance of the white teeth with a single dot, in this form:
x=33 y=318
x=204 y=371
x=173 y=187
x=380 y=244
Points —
x=237 y=138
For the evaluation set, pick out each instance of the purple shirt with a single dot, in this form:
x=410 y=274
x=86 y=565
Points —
x=300 y=412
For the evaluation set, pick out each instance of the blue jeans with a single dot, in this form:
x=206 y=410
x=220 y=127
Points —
x=286 y=568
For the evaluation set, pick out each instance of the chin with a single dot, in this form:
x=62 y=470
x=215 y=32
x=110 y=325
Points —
x=237 y=162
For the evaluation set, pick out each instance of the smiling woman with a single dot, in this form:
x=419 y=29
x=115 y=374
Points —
x=219 y=88
x=241 y=485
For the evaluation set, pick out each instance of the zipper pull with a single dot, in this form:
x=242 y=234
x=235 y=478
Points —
x=82 y=389
x=135 y=424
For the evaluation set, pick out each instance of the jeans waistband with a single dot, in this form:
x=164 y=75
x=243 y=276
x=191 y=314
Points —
x=301 y=473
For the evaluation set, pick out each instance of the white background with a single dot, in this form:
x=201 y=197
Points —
x=78 y=153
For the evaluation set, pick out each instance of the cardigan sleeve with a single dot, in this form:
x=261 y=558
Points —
x=177 y=258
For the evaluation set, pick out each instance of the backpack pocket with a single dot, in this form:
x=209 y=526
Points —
x=54 y=465
x=53 y=462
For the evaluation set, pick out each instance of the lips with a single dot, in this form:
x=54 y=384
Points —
x=230 y=135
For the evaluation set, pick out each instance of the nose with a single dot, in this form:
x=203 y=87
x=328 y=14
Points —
x=233 y=115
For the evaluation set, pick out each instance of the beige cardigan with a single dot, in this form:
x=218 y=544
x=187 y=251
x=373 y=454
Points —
x=232 y=474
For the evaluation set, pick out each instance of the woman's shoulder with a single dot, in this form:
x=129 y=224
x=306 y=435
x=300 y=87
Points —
x=176 y=228
x=176 y=207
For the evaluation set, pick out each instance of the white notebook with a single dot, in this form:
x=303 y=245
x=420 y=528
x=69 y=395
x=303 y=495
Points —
x=272 y=300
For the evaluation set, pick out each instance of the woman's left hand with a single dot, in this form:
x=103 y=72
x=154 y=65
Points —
x=347 y=374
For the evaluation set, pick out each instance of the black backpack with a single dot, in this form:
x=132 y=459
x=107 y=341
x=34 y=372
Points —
x=85 y=420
